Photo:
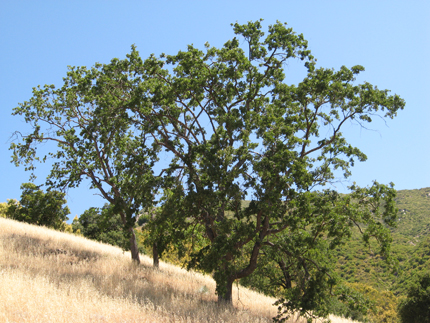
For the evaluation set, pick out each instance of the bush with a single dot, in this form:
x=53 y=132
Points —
x=143 y=218
x=37 y=207
x=101 y=225
x=3 y=209
x=416 y=307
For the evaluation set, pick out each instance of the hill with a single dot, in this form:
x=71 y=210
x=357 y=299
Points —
x=49 y=276
x=414 y=222
x=410 y=240
x=410 y=247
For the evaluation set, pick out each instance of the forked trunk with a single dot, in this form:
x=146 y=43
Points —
x=133 y=247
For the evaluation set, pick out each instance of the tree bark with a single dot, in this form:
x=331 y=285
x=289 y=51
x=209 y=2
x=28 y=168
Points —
x=156 y=260
x=133 y=247
x=226 y=298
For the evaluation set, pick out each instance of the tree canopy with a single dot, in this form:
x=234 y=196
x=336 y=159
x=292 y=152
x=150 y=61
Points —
x=231 y=129
x=101 y=224
x=3 y=209
x=95 y=139
x=37 y=207
x=238 y=131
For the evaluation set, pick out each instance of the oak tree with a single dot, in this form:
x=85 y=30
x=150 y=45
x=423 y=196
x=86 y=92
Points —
x=101 y=224
x=93 y=138
x=236 y=130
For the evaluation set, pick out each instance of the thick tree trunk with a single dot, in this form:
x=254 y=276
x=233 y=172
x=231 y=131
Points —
x=155 y=255
x=133 y=247
x=156 y=260
x=226 y=298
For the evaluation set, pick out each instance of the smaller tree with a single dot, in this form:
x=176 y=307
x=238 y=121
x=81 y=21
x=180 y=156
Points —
x=91 y=136
x=416 y=307
x=37 y=207
x=102 y=225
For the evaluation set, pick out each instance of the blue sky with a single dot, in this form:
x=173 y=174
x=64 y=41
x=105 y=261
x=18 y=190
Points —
x=391 y=39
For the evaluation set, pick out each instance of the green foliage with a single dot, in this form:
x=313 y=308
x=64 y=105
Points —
x=3 y=209
x=417 y=262
x=174 y=244
x=65 y=227
x=410 y=247
x=416 y=307
x=37 y=207
x=233 y=129
x=102 y=225
x=383 y=304
x=414 y=220
x=90 y=136
x=143 y=219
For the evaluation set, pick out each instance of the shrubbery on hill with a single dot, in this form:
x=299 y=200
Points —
x=101 y=225
x=3 y=209
x=36 y=207
x=416 y=307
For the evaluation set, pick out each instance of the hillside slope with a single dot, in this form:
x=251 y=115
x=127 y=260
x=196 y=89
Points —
x=48 y=276
x=410 y=237
x=414 y=207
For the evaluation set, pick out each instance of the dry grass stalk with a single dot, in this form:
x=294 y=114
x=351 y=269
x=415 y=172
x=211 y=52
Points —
x=49 y=276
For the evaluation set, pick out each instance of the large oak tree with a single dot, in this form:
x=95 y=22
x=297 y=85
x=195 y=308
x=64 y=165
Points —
x=237 y=130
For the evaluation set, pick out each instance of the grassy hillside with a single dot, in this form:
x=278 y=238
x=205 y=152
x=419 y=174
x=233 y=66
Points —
x=48 y=276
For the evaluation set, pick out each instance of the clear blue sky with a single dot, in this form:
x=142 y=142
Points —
x=391 y=39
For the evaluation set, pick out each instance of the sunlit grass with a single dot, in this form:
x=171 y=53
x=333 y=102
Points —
x=49 y=276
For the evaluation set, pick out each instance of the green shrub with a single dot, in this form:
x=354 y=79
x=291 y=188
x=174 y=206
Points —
x=3 y=209
x=37 y=207
x=416 y=307
x=101 y=225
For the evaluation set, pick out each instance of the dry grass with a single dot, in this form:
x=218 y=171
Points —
x=48 y=276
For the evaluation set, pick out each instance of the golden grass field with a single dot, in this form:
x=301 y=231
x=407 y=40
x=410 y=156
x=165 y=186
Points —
x=49 y=276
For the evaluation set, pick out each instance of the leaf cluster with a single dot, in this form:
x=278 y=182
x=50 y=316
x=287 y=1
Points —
x=416 y=307
x=101 y=224
x=38 y=207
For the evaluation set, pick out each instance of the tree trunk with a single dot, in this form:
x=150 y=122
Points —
x=225 y=297
x=133 y=247
x=156 y=260
x=155 y=255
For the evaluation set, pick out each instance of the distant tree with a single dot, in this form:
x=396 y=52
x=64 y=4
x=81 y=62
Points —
x=156 y=240
x=36 y=207
x=143 y=218
x=101 y=225
x=3 y=209
x=416 y=307
x=65 y=227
